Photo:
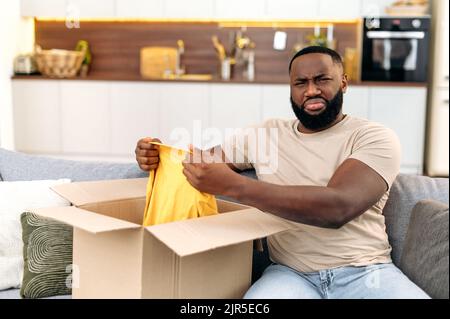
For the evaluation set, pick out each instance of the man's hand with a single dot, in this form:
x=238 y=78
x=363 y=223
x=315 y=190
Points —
x=147 y=155
x=208 y=175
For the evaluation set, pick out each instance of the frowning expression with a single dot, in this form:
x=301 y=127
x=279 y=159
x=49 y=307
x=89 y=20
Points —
x=315 y=80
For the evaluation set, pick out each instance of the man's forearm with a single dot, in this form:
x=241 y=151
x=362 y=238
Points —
x=317 y=206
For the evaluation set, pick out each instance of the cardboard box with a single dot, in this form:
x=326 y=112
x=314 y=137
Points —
x=114 y=256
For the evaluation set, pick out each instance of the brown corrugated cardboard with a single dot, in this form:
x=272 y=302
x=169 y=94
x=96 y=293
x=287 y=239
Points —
x=116 y=257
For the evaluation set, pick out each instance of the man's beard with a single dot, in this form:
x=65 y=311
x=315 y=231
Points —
x=322 y=120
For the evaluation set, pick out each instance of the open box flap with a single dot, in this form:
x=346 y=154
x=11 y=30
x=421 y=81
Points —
x=85 y=220
x=198 y=235
x=82 y=193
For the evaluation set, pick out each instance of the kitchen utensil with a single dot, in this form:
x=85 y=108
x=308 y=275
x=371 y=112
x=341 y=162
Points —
x=279 y=40
x=219 y=48
x=158 y=62
x=25 y=64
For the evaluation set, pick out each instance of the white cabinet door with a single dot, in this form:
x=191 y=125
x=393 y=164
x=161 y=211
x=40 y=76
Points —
x=235 y=106
x=184 y=113
x=192 y=9
x=438 y=139
x=92 y=9
x=375 y=8
x=276 y=103
x=404 y=111
x=344 y=9
x=139 y=8
x=43 y=8
x=238 y=9
x=289 y=9
x=37 y=127
x=85 y=117
x=134 y=115
x=442 y=45
x=356 y=102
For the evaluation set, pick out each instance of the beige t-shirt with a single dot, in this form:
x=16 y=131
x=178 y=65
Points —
x=284 y=156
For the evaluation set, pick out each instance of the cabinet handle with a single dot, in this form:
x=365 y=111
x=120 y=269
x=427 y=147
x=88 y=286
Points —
x=446 y=102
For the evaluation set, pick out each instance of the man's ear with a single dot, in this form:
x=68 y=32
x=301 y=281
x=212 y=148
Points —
x=344 y=84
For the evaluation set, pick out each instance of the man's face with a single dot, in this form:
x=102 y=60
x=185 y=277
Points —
x=317 y=86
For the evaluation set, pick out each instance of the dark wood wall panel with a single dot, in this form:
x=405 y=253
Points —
x=115 y=45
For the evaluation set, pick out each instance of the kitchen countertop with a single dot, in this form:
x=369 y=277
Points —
x=258 y=80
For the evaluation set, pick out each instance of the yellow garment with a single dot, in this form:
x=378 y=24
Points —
x=170 y=197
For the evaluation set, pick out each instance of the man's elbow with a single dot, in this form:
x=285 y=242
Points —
x=344 y=215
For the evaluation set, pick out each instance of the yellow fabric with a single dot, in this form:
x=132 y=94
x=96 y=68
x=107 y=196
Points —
x=170 y=197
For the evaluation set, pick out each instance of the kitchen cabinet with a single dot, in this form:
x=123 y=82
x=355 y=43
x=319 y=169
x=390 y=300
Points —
x=356 y=102
x=442 y=45
x=314 y=10
x=165 y=9
x=102 y=119
x=437 y=158
x=235 y=106
x=85 y=113
x=375 y=8
x=135 y=109
x=43 y=8
x=404 y=111
x=207 y=9
x=92 y=9
x=192 y=9
x=276 y=102
x=184 y=111
x=71 y=8
x=238 y=9
x=288 y=9
x=438 y=136
x=335 y=10
x=36 y=116
x=140 y=8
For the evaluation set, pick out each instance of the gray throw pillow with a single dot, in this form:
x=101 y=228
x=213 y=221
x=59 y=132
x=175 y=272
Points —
x=405 y=193
x=425 y=254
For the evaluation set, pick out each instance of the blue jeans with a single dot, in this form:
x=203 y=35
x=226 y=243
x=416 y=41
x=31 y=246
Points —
x=380 y=281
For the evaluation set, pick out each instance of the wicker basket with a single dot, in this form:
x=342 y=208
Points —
x=59 y=63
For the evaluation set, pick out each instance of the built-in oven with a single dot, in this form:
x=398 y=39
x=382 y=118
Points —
x=395 y=49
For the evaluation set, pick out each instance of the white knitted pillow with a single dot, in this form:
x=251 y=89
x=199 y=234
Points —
x=15 y=198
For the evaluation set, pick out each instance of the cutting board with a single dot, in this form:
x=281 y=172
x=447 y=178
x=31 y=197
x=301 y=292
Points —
x=156 y=61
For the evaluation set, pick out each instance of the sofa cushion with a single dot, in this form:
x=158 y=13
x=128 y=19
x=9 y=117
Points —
x=425 y=254
x=405 y=193
x=15 y=166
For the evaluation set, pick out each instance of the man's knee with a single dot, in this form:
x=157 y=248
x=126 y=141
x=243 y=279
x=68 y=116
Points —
x=389 y=282
x=280 y=282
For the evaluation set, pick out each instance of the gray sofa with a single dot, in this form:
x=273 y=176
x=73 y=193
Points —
x=416 y=200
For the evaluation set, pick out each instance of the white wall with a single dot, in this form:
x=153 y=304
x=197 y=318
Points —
x=16 y=36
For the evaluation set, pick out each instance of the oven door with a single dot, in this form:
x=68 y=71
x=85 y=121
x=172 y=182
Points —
x=395 y=56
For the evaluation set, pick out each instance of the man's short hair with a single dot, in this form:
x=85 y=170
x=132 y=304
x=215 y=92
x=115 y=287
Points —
x=316 y=49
